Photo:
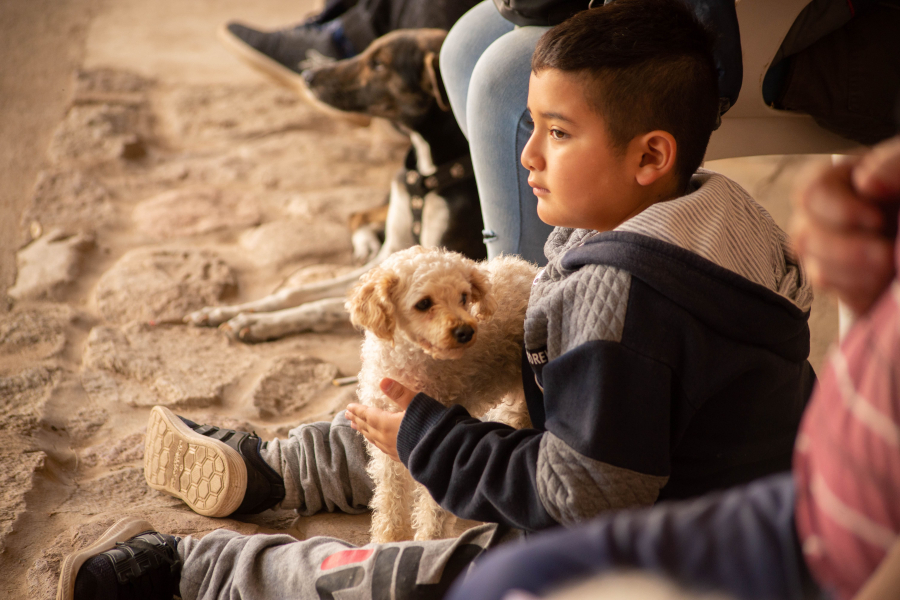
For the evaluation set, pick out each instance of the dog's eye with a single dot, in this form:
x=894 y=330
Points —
x=465 y=298
x=423 y=304
x=377 y=65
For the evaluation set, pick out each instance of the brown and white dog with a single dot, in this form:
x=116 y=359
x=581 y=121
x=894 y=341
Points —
x=450 y=327
x=433 y=200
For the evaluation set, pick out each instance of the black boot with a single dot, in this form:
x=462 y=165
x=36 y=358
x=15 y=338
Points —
x=130 y=561
x=294 y=48
x=217 y=472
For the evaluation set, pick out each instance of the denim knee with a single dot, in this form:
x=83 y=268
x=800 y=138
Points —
x=464 y=45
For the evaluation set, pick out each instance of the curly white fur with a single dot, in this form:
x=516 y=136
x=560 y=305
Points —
x=441 y=324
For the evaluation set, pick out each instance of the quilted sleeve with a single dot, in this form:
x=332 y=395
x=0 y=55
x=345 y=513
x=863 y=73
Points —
x=576 y=308
x=574 y=488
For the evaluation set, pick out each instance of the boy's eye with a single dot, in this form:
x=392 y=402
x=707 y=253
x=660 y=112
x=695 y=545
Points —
x=557 y=134
x=423 y=304
x=465 y=298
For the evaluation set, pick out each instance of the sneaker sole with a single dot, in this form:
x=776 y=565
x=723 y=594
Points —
x=209 y=475
x=122 y=530
x=283 y=75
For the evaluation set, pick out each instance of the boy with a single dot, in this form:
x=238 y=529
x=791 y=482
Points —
x=834 y=526
x=671 y=349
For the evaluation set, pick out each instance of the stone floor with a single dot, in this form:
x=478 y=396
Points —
x=146 y=174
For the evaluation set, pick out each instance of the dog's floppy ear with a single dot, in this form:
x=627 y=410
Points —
x=434 y=85
x=481 y=293
x=370 y=305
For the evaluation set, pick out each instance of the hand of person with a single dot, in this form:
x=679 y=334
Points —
x=845 y=225
x=380 y=426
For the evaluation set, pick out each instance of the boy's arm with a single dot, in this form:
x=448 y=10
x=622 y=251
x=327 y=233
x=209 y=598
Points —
x=596 y=455
x=477 y=470
x=503 y=498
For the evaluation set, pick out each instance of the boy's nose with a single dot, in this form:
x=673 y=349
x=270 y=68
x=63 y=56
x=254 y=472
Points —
x=531 y=158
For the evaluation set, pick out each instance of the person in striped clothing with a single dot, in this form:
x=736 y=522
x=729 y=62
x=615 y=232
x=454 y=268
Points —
x=847 y=455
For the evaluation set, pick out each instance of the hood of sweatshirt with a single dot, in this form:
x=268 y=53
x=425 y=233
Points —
x=716 y=253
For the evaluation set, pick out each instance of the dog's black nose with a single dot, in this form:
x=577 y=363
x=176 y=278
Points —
x=463 y=334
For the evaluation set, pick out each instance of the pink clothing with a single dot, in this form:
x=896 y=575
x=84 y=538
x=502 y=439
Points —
x=847 y=457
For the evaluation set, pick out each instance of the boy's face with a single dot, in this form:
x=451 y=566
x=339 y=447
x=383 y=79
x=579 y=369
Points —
x=580 y=180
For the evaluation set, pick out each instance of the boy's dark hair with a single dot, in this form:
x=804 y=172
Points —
x=647 y=64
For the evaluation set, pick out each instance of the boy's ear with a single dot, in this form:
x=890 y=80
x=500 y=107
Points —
x=658 y=151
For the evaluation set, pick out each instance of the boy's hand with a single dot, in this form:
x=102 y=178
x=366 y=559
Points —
x=379 y=426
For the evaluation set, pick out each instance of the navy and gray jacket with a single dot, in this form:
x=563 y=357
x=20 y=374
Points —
x=669 y=358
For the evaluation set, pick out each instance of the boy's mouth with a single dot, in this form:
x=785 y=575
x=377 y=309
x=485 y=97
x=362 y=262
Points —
x=538 y=190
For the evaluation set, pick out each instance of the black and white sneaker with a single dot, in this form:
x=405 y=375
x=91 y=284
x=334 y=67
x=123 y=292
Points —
x=217 y=472
x=286 y=53
x=130 y=561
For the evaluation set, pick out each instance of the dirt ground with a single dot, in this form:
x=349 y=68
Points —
x=147 y=173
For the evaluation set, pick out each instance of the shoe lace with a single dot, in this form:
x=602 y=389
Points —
x=315 y=59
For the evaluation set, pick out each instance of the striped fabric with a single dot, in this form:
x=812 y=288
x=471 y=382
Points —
x=847 y=457
x=722 y=223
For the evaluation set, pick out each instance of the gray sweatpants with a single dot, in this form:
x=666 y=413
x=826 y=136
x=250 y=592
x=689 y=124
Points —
x=323 y=465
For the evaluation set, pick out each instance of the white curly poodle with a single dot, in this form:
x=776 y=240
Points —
x=441 y=324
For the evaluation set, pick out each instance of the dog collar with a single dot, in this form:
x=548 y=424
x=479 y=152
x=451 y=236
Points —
x=418 y=185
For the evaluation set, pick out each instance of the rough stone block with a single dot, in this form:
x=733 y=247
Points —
x=293 y=240
x=35 y=333
x=18 y=464
x=49 y=265
x=150 y=284
x=291 y=383
x=141 y=365
x=193 y=211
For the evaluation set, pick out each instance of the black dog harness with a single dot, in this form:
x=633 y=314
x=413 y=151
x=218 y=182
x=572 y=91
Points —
x=418 y=185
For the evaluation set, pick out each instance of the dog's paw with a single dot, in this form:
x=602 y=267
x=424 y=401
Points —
x=366 y=244
x=211 y=316
x=250 y=328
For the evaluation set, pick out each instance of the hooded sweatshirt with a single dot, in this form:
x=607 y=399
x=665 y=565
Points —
x=665 y=359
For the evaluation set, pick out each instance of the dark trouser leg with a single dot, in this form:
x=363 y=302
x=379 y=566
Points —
x=370 y=19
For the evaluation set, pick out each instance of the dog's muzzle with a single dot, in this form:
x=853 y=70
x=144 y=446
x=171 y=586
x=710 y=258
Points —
x=464 y=334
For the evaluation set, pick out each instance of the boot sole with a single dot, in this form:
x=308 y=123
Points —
x=122 y=530
x=209 y=475
x=283 y=75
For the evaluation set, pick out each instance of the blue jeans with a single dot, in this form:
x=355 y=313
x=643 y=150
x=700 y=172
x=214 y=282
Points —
x=741 y=541
x=486 y=63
